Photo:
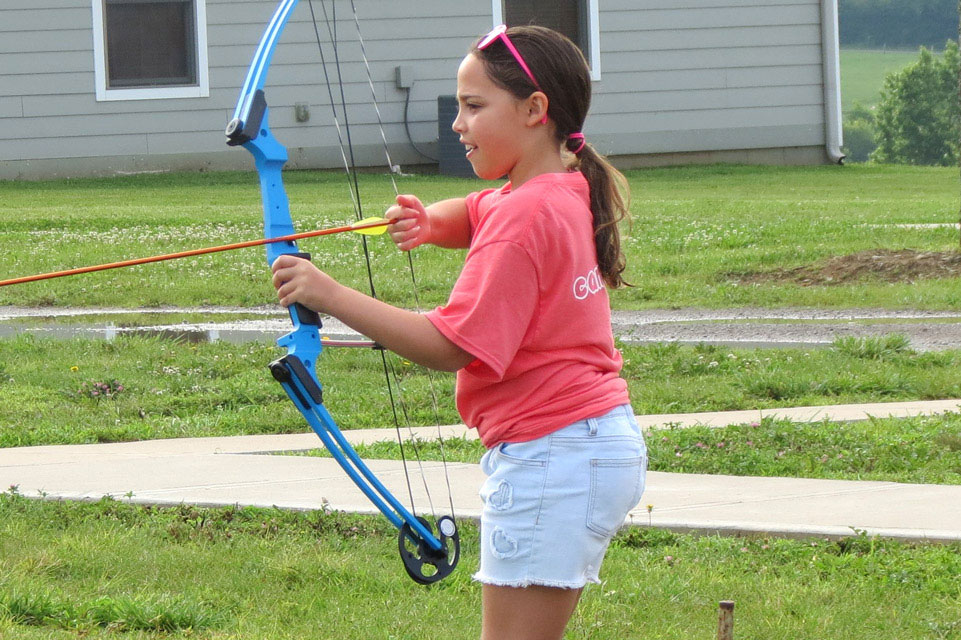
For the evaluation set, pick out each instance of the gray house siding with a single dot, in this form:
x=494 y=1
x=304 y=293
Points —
x=711 y=76
x=678 y=77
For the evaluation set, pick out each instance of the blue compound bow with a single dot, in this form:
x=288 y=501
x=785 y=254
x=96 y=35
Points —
x=428 y=554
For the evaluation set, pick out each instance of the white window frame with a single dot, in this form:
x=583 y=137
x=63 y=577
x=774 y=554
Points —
x=199 y=90
x=593 y=30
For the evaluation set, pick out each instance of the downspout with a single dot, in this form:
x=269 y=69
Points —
x=832 y=80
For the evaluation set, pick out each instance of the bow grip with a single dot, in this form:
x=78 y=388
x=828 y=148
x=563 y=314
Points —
x=304 y=315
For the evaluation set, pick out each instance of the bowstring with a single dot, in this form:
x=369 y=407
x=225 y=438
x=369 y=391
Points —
x=347 y=155
x=391 y=168
x=353 y=187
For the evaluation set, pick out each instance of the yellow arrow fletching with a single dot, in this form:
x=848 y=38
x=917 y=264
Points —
x=370 y=226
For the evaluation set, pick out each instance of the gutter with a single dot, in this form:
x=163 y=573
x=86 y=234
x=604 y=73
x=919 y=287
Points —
x=831 y=59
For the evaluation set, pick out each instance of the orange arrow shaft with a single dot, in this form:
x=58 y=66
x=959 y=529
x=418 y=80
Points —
x=195 y=252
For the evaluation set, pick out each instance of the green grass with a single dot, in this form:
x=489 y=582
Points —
x=45 y=607
x=178 y=389
x=64 y=224
x=863 y=71
x=110 y=570
x=160 y=389
x=669 y=378
x=924 y=450
x=695 y=229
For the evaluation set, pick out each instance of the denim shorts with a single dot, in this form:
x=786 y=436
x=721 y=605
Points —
x=552 y=505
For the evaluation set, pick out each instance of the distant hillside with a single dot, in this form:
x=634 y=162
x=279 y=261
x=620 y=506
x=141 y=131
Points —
x=900 y=24
x=863 y=71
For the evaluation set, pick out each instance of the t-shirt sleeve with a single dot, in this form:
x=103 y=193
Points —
x=473 y=202
x=491 y=307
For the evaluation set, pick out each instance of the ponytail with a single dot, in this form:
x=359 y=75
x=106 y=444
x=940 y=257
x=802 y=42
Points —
x=610 y=202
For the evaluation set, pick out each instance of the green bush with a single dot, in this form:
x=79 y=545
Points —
x=917 y=117
x=859 y=134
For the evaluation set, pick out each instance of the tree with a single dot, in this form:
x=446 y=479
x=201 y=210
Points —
x=917 y=117
x=896 y=23
x=859 y=133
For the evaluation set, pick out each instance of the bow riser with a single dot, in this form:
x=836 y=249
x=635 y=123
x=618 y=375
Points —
x=270 y=157
x=419 y=546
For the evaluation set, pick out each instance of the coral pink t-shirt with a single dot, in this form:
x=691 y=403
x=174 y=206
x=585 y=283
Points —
x=531 y=307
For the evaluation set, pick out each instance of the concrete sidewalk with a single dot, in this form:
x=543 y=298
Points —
x=242 y=470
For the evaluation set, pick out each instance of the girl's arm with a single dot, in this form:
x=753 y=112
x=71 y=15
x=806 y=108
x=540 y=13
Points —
x=443 y=223
x=406 y=333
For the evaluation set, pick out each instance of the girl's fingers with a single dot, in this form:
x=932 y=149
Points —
x=409 y=219
x=409 y=202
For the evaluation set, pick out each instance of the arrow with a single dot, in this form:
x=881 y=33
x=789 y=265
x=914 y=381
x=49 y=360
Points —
x=367 y=227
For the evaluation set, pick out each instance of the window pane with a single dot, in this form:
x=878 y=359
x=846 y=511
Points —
x=150 y=43
x=566 y=16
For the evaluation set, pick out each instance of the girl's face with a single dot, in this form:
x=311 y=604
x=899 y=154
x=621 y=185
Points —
x=491 y=122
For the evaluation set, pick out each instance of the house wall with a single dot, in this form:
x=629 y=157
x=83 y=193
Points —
x=741 y=77
x=680 y=80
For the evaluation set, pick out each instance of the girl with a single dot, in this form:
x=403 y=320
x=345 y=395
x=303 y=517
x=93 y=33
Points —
x=527 y=327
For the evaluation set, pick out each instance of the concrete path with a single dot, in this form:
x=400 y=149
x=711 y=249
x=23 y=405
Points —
x=243 y=470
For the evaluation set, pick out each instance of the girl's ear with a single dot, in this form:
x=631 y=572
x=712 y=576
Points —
x=537 y=104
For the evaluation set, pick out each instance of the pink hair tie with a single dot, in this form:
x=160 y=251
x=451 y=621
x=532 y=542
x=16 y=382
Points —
x=577 y=136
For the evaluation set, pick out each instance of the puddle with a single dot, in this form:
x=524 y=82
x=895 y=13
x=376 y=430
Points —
x=54 y=313
x=174 y=333
x=95 y=324
x=734 y=328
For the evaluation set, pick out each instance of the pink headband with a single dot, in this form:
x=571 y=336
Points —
x=577 y=136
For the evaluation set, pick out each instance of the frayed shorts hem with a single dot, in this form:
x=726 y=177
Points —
x=522 y=584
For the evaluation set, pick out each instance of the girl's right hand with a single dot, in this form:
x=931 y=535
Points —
x=409 y=223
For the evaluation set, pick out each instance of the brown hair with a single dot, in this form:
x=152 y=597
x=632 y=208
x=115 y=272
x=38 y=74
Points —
x=563 y=75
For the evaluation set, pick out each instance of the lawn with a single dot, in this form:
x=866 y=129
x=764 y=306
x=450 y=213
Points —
x=112 y=570
x=52 y=391
x=698 y=233
x=109 y=569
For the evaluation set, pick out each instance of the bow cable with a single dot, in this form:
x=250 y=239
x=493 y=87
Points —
x=347 y=155
x=353 y=187
x=391 y=167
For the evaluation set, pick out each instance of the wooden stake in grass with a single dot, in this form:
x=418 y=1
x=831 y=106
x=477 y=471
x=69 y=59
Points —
x=725 y=620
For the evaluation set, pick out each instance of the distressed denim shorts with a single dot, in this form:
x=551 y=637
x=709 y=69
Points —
x=552 y=505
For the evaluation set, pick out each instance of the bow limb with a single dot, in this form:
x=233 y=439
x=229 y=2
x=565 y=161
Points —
x=427 y=557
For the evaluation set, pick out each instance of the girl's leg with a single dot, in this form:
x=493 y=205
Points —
x=529 y=613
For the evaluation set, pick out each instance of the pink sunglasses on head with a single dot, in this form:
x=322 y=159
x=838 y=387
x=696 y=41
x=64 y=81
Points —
x=500 y=33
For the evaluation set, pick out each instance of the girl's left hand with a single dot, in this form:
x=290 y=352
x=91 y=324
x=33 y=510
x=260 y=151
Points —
x=298 y=280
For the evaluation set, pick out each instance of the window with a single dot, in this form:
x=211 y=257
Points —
x=146 y=49
x=576 y=19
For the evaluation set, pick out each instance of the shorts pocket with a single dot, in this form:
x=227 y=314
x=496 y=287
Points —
x=528 y=454
x=616 y=487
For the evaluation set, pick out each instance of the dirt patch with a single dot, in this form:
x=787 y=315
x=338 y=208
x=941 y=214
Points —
x=905 y=265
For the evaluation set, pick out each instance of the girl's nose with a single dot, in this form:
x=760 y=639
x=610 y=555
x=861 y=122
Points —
x=457 y=125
